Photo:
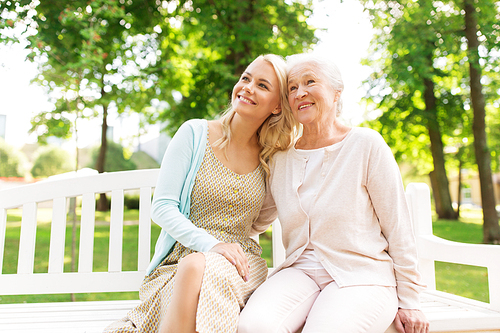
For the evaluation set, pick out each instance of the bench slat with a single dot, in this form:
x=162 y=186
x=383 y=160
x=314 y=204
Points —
x=65 y=317
x=94 y=316
x=87 y=226
x=57 y=236
x=116 y=232
x=279 y=254
x=418 y=198
x=144 y=248
x=65 y=283
x=27 y=239
x=72 y=187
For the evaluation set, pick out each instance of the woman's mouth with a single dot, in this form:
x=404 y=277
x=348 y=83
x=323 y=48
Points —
x=305 y=106
x=246 y=100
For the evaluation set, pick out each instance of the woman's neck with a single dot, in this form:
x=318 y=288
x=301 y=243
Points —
x=243 y=133
x=318 y=135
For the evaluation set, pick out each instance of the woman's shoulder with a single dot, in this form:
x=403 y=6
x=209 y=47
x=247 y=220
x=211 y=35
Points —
x=367 y=135
x=192 y=127
x=195 y=124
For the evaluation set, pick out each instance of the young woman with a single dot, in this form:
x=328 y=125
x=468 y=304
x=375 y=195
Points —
x=209 y=192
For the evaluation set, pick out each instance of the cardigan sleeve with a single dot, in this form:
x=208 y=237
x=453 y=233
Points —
x=267 y=215
x=387 y=194
x=173 y=180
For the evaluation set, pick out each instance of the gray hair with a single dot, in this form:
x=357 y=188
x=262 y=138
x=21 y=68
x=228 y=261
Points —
x=327 y=68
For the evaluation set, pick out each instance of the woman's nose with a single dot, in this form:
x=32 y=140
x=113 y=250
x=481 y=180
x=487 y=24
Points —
x=248 y=88
x=301 y=93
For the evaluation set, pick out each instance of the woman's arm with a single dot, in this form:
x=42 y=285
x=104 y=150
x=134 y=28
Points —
x=387 y=194
x=177 y=169
x=267 y=215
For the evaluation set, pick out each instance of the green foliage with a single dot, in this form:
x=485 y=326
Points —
x=493 y=121
x=168 y=60
x=117 y=158
x=131 y=201
x=51 y=161
x=411 y=50
x=47 y=124
x=143 y=161
x=220 y=39
x=424 y=40
x=11 y=161
x=90 y=54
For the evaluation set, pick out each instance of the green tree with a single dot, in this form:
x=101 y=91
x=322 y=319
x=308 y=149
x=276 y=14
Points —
x=454 y=47
x=491 y=228
x=51 y=160
x=131 y=55
x=221 y=39
x=416 y=110
x=11 y=161
x=93 y=51
x=117 y=158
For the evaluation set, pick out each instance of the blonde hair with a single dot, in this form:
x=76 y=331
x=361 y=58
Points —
x=278 y=131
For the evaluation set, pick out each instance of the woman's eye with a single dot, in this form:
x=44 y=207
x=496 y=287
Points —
x=310 y=81
x=245 y=78
x=262 y=85
x=293 y=88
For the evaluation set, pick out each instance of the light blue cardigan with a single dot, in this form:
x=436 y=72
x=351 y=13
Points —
x=171 y=200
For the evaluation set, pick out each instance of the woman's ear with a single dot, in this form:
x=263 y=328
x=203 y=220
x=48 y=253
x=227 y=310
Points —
x=277 y=110
x=337 y=95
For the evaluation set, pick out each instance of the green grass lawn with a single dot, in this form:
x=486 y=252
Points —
x=463 y=280
x=457 y=279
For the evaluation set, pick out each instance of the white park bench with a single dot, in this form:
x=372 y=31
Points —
x=446 y=312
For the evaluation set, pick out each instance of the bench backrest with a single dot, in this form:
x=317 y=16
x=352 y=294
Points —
x=58 y=192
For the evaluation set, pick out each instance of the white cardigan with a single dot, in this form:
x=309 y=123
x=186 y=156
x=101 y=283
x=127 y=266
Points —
x=359 y=223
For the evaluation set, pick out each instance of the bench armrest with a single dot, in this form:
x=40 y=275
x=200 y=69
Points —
x=432 y=248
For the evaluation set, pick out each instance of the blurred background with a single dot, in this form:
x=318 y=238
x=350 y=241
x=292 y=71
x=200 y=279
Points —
x=425 y=74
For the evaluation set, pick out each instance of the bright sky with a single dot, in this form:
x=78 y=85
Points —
x=346 y=40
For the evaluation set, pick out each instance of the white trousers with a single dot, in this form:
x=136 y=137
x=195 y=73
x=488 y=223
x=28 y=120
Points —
x=309 y=298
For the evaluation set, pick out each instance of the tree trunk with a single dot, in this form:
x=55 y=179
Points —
x=439 y=179
x=491 y=229
x=102 y=204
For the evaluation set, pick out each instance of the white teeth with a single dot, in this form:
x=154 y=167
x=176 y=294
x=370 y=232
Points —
x=246 y=100
x=304 y=106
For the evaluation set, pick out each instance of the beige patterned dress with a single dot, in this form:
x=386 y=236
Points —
x=225 y=204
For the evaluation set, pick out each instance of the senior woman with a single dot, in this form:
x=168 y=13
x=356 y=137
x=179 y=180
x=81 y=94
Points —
x=351 y=261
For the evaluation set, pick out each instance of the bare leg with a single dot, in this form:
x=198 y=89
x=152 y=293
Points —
x=180 y=316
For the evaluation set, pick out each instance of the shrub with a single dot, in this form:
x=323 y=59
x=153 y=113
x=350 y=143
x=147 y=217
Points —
x=117 y=158
x=51 y=161
x=11 y=161
x=131 y=201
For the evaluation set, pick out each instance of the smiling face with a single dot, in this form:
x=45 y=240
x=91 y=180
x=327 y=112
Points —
x=311 y=97
x=257 y=93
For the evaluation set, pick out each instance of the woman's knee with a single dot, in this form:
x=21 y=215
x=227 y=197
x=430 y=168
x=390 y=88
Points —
x=192 y=264
x=252 y=321
x=280 y=304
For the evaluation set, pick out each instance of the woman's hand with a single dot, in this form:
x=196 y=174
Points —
x=234 y=253
x=411 y=321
